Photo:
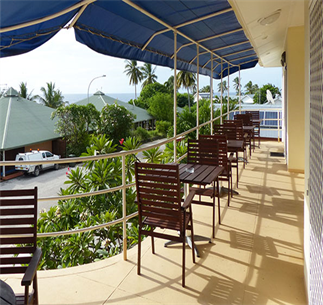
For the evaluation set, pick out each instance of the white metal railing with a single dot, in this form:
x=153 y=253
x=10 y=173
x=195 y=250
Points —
x=122 y=187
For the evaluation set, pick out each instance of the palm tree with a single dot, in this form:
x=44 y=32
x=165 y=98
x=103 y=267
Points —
x=169 y=84
x=250 y=88
x=187 y=80
x=23 y=92
x=134 y=73
x=148 y=74
x=237 y=84
x=52 y=98
x=224 y=86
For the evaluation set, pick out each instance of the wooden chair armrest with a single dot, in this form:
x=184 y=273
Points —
x=231 y=158
x=188 y=200
x=32 y=268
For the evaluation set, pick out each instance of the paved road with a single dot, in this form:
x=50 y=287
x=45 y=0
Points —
x=48 y=182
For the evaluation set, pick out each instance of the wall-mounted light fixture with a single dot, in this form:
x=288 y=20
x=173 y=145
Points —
x=270 y=18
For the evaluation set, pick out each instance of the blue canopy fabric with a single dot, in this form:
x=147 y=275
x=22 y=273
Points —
x=137 y=30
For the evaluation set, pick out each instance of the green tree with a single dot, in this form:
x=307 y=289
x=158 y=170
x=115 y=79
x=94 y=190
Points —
x=186 y=80
x=116 y=122
x=262 y=93
x=134 y=73
x=206 y=89
x=223 y=85
x=237 y=84
x=23 y=92
x=74 y=123
x=161 y=107
x=169 y=84
x=149 y=91
x=51 y=98
x=148 y=74
x=251 y=88
x=153 y=155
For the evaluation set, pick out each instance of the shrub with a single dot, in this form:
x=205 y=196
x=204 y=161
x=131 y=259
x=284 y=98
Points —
x=162 y=127
x=142 y=134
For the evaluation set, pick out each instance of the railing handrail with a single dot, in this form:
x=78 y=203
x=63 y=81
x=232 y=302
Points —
x=117 y=188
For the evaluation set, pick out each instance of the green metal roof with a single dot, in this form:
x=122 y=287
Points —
x=24 y=122
x=99 y=100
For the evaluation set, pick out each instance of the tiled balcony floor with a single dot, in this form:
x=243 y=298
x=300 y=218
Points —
x=256 y=257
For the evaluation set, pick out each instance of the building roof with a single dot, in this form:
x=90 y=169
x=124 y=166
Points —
x=24 y=122
x=99 y=100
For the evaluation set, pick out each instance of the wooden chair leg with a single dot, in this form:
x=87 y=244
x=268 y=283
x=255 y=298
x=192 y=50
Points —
x=192 y=235
x=139 y=253
x=219 y=208
x=153 y=245
x=35 y=286
x=183 y=263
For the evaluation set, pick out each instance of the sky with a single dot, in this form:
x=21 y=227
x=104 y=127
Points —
x=72 y=66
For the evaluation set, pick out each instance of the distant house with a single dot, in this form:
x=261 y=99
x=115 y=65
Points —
x=25 y=125
x=99 y=100
x=247 y=99
x=276 y=101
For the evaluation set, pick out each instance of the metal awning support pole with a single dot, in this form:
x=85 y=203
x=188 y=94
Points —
x=197 y=89
x=3 y=167
x=211 y=93
x=175 y=94
x=221 y=112
x=239 y=91
x=228 y=104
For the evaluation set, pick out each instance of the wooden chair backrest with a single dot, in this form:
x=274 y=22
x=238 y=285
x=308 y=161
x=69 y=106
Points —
x=223 y=147
x=238 y=129
x=254 y=114
x=203 y=151
x=18 y=229
x=245 y=117
x=158 y=192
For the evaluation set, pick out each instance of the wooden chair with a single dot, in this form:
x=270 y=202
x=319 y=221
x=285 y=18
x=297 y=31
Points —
x=18 y=237
x=160 y=205
x=255 y=118
x=247 y=122
x=224 y=160
x=205 y=151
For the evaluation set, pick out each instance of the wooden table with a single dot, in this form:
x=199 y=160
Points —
x=7 y=295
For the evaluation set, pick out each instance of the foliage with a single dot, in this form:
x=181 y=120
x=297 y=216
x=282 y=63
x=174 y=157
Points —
x=161 y=107
x=131 y=143
x=134 y=73
x=148 y=74
x=263 y=93
x=183 y=99
x=168 y=154
x=82 y=248
x=142 y=134
x=23 y=92
x=222 y=85
x=162 y=127
x=153 y=155
x=116 y=122
x=51 y=98
x=148 y=92
x=206 y=89
x=169 y=85
x=187 y=80
x=251 y=88
x=237 y=84
x=74 y=124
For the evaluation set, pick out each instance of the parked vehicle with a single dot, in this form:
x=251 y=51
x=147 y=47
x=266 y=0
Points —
x=36 y=155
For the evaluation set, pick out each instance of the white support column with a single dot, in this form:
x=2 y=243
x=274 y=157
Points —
x=3 y=167
x=197 y=89
x=175 y=95
x=239 y=91
x=221 y=99
x=228 y=102
x=211 y=93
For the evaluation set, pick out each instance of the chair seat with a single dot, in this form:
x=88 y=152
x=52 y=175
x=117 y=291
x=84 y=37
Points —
x=162 y=223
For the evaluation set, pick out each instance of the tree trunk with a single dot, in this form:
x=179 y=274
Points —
x=189 y=103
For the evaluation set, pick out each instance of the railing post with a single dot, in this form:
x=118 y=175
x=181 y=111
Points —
x=124 y=208
x=175 y=96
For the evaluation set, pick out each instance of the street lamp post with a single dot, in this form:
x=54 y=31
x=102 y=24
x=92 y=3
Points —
x=88 y=89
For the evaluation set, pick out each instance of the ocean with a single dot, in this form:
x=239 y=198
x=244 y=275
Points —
x=73 y=98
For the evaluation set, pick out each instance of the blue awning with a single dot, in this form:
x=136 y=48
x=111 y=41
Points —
x=141 y=30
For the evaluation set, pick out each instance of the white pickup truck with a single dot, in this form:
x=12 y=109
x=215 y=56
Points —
x=36 y=155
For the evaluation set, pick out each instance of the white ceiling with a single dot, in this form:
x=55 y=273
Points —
x=268 y=41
